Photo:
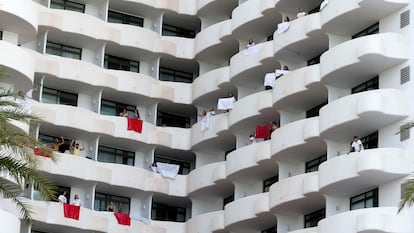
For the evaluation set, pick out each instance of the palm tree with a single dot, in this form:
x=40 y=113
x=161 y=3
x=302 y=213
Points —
x=17 y=159
x=407 y=199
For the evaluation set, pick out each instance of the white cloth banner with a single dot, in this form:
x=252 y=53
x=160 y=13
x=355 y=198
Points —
x=252 y=49
x=282 y=27
x=269 y=79
x=168 y=170
x=324 y=4
x=281 y=72
x=205 y=120
x=226 y=103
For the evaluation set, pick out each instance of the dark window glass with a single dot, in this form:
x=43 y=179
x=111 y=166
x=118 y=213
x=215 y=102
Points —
x=67 y=5
x=102 y=200
x=164 y=212
x=371 y=84
x=314 y=10
x=314 y=60
x=118 y=63
x=313 y=165
x=170 y=30
x=370 y=141
x=59 y=191
x=175 y=75
x=113 y=155
x=312 y=219
x=227 y=200
x=52 y=96
x=267 y=183
x=269 y=38
x=112 y=108
x=270 y=230
x=373 y=29
x=63 y=50
x=313 y=112
x=1 y=35
x=364 y=200
x=228 y=152
x=117 y=17
x=172 y=120
x=185 y=166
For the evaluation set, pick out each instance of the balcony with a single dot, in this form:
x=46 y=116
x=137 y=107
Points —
x=362 y=113
x=206 y=177
x=348 y=17
x=375 y=220
x=299 y=90
x=348 y=174
x=20 y=17
x=298 y=141
x=208 y=83
x=206 y=223
x=296 y=195
x=303 y=40
x=217 y=130
x=356 y=64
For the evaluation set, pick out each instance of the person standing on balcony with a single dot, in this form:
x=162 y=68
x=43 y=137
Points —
x=356 y=145
x=62 y=198
x=301 y=13
x=77 y=201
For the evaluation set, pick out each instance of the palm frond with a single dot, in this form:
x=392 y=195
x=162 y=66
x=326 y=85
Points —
x=8 y=191
x=407 y=195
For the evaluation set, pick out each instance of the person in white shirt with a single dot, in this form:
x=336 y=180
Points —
x=77 y=201
x=356 y=145
x=62 y=198
x=301 y=13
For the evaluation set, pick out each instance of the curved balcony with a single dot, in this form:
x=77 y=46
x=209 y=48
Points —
x=297 y=194
x=89 y=220
x=258 y=103
x=348 y=174
x=19 y=69
x=20 y=17
x=10 y=183
x=253 y=17
x=362 y=113
x=356 y=64
x=212 y=36
x=9 y=222
x=242 y=64
x=378 y=220
x=249 y=212
x=306 y=230
x=349 y=17
x=206 y=223
x=303 y=40
x=249 y=160
x=169 y=227
x=299 y=90
x=208 y=83
x=298 y=141
x=185 y=47
x=206 y=176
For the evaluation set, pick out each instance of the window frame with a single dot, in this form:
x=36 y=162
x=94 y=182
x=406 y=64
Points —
x=59 y=96
x=121 y=62
x=177 y=31
x=373 y=196
x=312 y=219
x=62 y=49
x=165 y=118
x=269 y=182
x=112 y=198
x=176 y=75
x=125 y=18
x=313 y=165
x=314 y=111
x=125 y=155
x=185 y=166
x=68 y=5
x=370 y=30
x=370 y=141
x=168 y=209
x=372 y=84
x=117 y=106
x=228 y=199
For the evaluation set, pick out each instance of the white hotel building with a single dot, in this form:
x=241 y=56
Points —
x=350 y=74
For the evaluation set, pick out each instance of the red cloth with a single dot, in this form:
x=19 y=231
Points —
x=263 y=131
x=135 y=124
x=71 y=211
x=38 y=151
x=123 y=219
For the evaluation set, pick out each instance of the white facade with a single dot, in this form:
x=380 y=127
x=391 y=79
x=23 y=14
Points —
x=350 y=66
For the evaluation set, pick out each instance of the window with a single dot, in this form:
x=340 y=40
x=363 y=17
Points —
x=227 y=200
x=269 y=38
x=373 y=29
x=371 y=84
x=63 y=50
x=172 y=119
x=113 y=155
x=60 y=190
x=118 y=17
x=175 y=75
x=185 y=166
x=313 y=165
x=314 y=10
x=118 y=63
x=312 y=219
x=270 y=230
x=1 y=35
x=67 y=5
x=112 y=108
x=364 y=200
x=164 y=212
x=48 y=140
x=228 y=152
x=267 y=183
x=102 y=200
x=314 y=60
x=52 y=96
x=170 y=30
x=313 y=112
x=370 y=141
